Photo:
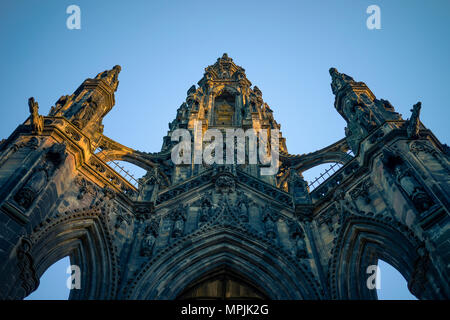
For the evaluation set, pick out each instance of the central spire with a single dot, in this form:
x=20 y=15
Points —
x=224 y=98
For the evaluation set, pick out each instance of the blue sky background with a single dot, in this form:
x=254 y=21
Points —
x=286 y=48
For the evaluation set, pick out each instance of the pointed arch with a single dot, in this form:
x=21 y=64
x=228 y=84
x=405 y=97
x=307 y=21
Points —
x=361 y=242
x=84 y=236
x=172 y=271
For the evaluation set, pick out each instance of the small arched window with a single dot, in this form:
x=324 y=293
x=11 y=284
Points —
x=224 y=109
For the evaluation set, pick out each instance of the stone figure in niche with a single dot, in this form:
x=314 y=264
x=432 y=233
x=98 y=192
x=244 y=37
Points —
x=206 y=208
x=178 y=217
x=300 y=247
x=151 y=233
x=269 y=220
x=298 y=238
x=242 y=204
x=407 y=181
x=148 y=244
x=88 y=110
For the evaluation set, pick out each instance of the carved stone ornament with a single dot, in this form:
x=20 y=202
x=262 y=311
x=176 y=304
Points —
x=178 y=216
x=151 y=233
x=37 y=122
x=225 y=184
x=408 y=182
x=413 y=124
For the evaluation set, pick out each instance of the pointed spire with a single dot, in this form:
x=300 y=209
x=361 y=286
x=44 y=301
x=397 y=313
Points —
x=339 y=80
x=225 y=57
x=111 y=77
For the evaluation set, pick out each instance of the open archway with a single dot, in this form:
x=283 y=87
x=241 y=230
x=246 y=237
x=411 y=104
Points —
x=392 y=285
x=362 y=241
x=53 y=283
x=172 y=272
x=85 y=238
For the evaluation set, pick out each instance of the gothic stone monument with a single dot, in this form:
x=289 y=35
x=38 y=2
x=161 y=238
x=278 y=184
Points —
x=194 y=231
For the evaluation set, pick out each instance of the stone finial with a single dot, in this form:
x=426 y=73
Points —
x=413 y=126
x=37 y=122
x=191 y=90
x=339 y=80
x=111 y=76
x=225 y=57
x=257 y=91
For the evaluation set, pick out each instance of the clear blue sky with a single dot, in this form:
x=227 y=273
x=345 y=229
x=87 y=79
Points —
x=286 y=48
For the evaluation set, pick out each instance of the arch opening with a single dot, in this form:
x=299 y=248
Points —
x=318 y=174
x=274 y=276
x=131 y=172
x=53 y=283
x=392 y=284
x=224 y=109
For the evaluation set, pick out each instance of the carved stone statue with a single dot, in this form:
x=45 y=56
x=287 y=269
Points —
x=242 y=203
x=269 y=219
x=413 y=124
x=37 y=122
x=206 y=208
x=88 y=110
x=412 y=187
x=178 y=217
x=407 y=181
x=151 y=234
x=300 y=247
x=298 y=238
x=178 y=228
x=148 y=244
x=149 y=241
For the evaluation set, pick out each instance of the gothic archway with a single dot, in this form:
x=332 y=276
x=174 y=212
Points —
x=84 y=237
x=172 y=271
x=361 y=242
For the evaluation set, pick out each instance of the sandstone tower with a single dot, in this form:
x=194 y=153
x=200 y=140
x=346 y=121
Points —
x=223 y=231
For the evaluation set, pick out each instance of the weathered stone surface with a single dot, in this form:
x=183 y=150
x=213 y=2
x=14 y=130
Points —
x=189 y=230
